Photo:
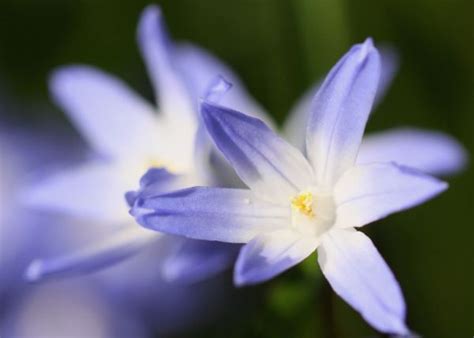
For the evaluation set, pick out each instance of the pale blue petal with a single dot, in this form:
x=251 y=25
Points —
x=112 y=118
x=270 y=166
x=99 y=255
x=94 y=191
x=200 y=68
x=340 y=111
x=367 y=193
x=270 y=254
x=194 y=261
x=358 y=274
x=432 y=152
x=157 y=50
x=299 y=114
x=390 y=64
x=295 y=125
x=226 y=215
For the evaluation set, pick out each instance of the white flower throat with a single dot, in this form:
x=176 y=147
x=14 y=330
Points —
x=312 y=212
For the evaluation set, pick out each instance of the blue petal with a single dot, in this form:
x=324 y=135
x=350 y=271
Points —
x=194 y=260
x=226 y=215
x=390 y=64
x=200 y=68
x=157 y=50
x=270 y=254
x=270 y=166
x=299 y=114
x=101 y=254
x=369 y=192
x=358 y=274
x=432 y=152
x=94 y=191
x=110 y=116
x=340 y=111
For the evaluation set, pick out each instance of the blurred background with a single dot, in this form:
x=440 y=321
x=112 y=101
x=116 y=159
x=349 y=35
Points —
x=280 y=48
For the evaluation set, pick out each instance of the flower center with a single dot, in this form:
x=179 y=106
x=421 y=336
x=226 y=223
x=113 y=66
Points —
x=303 y=203
x=312 y=212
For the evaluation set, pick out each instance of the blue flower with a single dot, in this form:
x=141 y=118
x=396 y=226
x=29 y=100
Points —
x=52 y=309
x=297 y=204
x=128 y=135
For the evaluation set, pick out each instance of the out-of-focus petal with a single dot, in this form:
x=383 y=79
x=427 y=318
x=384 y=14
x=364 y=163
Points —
x=219 y=214
x=195 y=260
x=295 y=125
x=113 y=118
x=73 y=309
x=428 y=151
x=93 y=191
x=269 y=165
x=172 y=95
x=101 y=254
x=370 y=192
x=200 y=68
x=340 y=111
x=270 y=254
x=358 y=274
x=390 y=64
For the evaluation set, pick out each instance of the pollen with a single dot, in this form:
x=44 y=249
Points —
x=303 y=203
x=154 y=163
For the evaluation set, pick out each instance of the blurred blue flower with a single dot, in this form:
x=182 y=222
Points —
x=69 y=308
x=128 y=137
x=297 y=204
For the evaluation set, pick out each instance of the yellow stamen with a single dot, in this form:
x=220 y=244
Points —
x=153 y=163
x=303 y=203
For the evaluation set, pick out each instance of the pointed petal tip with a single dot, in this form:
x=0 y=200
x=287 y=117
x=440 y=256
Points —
x=34 y=271
x=441 y=185
x=238 y=279
x=149 y=17
x=66 y=78
x=151 y=12
x=369 y=42
x=217 y=89
x=365 y=49
x=58 y=78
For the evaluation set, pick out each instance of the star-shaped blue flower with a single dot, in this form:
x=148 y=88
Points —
x=297 y=203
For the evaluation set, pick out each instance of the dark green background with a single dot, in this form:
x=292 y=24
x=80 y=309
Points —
x=280 y=48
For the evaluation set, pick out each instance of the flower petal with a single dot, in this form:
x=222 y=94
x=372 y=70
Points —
x=195 y=260
x=113 y=118
x=370 y=192
x=389 y=68
x=300 y=112
x=270 y=254
x=93 y=191
x=297 y=120
x=200 y=68
x=340 y=111
x=360 y=276
x=431 y=152
x=158 y=52
x=270 y=166
x=99 y=255
x=219 y=214
x=158 y=181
